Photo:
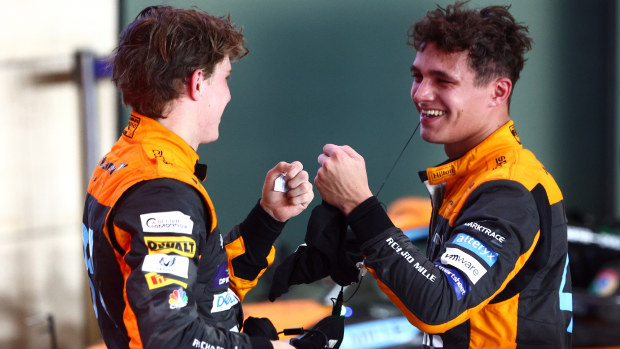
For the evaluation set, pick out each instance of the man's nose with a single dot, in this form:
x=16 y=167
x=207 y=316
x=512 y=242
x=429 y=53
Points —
x=422 y=92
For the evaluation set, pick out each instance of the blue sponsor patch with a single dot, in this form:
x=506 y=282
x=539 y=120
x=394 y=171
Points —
x=480 y=249
x=221 y=276
x=457 y=281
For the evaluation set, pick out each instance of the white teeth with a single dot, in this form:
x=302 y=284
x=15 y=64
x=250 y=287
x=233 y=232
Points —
x=433 y=112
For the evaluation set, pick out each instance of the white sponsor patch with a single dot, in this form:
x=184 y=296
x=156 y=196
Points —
x=464 y=262
x=166 y=264
x=167 y=222
x=224 y=301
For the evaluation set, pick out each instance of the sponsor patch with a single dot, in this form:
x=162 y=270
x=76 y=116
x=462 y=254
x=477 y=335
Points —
x=155 y=280
x=221 y=275
x=166 y=264
x=110 y=167
x=181 y=245
x=514 y=133
x=167 y=222
x=499 y=239
x=440 y=174
x=456 y=280
x=477 y=247
x=464 y=262
x=178 y=299
x=224 y=301
x=131 y=127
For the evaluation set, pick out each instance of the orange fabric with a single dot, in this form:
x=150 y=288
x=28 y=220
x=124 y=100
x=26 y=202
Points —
x=410 y=212
x=490 y=325
x=239 y=285
x=528 y=164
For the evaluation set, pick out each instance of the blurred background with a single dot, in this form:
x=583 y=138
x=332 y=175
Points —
x=318 y=72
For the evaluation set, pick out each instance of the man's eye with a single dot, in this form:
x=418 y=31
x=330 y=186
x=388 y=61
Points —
x=417 y=77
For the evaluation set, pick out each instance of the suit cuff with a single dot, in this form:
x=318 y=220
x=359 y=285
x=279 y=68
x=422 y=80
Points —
x=260 y=228
x=368 y=220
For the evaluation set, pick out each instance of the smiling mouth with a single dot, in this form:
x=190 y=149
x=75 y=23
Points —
x=432 y=113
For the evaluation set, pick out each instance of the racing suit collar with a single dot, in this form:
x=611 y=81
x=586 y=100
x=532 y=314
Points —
x=505 y=136
x=162 y=144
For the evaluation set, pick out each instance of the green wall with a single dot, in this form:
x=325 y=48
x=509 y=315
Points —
x=325 y=71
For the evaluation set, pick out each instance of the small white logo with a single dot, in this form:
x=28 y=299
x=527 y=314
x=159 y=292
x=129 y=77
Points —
x=166 y=264
x=464 y=262
x=167 y=222
x=224 y=301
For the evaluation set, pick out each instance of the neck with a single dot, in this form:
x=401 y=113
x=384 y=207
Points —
x=178 y=120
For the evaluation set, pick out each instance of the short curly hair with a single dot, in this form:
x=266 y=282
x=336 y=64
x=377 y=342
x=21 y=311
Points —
x=161 y=49
x=496 y=43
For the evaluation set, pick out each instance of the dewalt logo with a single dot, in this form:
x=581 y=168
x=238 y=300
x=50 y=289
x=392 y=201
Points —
x=181 y=245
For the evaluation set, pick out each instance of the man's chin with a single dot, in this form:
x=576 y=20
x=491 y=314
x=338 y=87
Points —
x=429 y=137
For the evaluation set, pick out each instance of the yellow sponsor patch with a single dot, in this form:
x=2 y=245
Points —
x=440 y=174
x=155 y=280
x=181 y=245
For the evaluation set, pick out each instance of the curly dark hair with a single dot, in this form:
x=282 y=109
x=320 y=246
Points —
x=495 y=41
x=161 y=49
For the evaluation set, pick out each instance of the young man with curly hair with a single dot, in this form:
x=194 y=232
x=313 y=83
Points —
x=161 y=274
x=495 y=273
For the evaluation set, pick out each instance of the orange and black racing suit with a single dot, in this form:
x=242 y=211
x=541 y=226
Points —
x=161 y=274
x=495 y=273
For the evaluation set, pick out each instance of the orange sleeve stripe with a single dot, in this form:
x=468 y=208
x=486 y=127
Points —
x=239 y=285
x=440 y=328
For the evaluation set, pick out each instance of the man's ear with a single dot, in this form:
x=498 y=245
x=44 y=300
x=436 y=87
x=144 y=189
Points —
x=196 y=84
x=502 y=88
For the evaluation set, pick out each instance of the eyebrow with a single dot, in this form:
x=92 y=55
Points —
x=439 y=73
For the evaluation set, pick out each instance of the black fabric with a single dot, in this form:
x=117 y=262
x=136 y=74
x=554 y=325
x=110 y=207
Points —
x=260 y=343
x=260 y=327
x=200 y=170
x=330 y=250
x=328 y=333
x=540 y=257
x=368 y=218
x=259 y=230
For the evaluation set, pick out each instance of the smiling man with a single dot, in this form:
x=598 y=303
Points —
x=161 y=275
x=495 y=273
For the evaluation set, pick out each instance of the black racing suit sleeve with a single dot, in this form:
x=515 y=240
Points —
x=489 y=242
x=159 y=324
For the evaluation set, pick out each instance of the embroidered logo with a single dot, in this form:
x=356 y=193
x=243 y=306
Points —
x=178 y=299
x=181 y=245
x=514 y=133
x=131 y=127
x=155 y=280
x=440 y=174
x=167 y=222
x=464 y=262
x=479 y=248
x=166 y=264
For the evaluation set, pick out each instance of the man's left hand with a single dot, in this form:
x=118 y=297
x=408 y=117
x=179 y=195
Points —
x=285 y=205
